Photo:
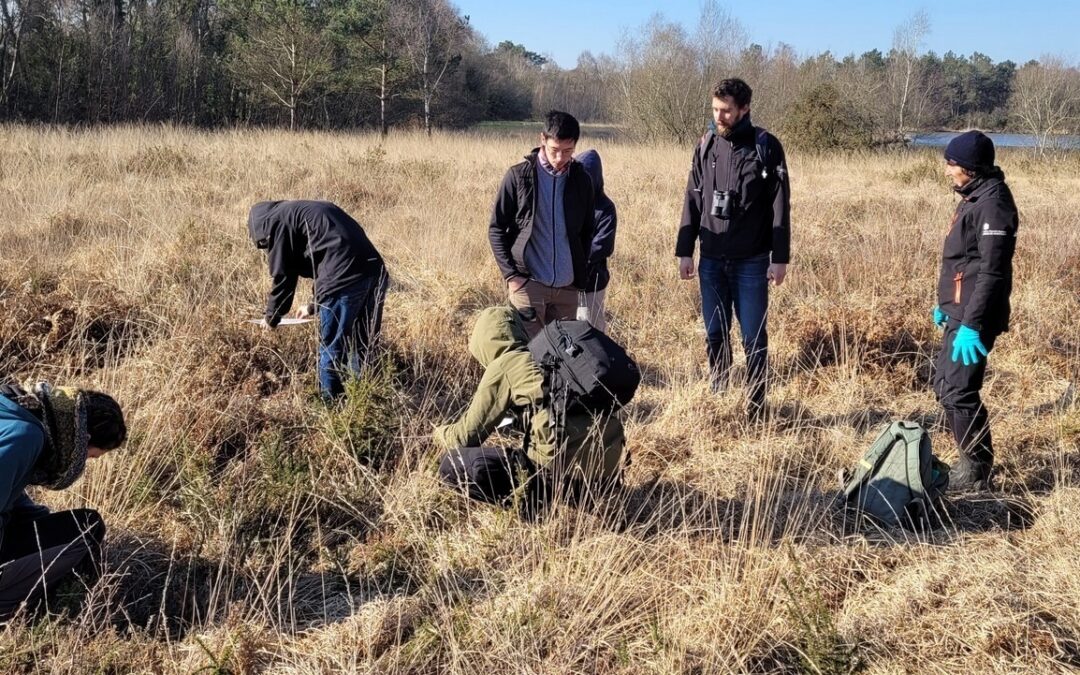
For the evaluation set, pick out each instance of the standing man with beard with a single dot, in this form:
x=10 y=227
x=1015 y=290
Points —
x=973 y=299
x=738 y=203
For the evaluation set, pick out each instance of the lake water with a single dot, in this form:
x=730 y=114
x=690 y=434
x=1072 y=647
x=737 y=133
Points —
x=939 y=139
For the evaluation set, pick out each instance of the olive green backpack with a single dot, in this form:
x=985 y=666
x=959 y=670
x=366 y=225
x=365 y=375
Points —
x=898 y=481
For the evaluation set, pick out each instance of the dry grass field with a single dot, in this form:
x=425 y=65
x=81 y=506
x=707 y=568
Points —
x=253 y=530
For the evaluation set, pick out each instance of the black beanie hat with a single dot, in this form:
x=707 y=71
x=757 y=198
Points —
x=972 y=150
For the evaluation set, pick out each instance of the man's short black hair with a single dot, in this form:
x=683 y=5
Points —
x=104 y=421
x=734 y=88
x=561 y=126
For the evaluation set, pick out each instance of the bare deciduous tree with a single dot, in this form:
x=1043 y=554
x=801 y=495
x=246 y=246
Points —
x=12 y=23
x=282 y=54
x=381 y=54
x=432 y=33
x=666 y=75
x=662 y=85
x=1046 y=98
x=904 y=73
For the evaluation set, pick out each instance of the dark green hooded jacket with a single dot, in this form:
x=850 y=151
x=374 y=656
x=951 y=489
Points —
x=593 y=446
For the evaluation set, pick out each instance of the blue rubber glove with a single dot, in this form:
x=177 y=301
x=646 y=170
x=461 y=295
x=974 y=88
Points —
x=939 y=317
x=967 y=345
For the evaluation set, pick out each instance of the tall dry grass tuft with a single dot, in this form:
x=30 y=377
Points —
x=252 y=530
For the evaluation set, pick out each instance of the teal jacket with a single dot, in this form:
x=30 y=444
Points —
x=22 y=438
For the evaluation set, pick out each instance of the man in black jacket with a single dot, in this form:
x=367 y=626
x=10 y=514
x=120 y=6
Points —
x=973 y=299
x=319 y=241
x=542 y=226
x=738 y=204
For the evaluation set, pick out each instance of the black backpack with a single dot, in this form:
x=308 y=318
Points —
x=584 y=369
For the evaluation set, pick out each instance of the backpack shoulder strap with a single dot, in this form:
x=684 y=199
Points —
x=703 y=148
x=914 y=440
x=871 y=461
x=761 y=145
x=704 y=144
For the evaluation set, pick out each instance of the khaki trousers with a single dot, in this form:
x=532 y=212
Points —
x=547 y=302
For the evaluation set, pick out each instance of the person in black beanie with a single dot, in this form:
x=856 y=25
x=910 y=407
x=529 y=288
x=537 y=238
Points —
x=973 y=299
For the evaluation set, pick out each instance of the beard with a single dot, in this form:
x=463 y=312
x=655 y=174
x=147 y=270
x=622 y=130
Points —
x=724 y=130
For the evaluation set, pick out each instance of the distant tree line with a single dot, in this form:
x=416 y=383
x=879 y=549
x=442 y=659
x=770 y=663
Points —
x=296 y=63
x=418 y=63
x=658 y=85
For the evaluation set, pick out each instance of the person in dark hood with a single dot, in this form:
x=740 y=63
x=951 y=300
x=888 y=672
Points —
x=973 y=299
x=46 y=436
x=738 y=204
x=603 y=242
x=541 y=227
x=319 y=241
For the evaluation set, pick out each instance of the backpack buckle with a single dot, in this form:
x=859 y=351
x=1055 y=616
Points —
x=568 y=346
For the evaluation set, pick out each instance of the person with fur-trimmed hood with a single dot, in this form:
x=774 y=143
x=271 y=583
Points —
x=575 y=450
x=973 y=299
x=46 y=436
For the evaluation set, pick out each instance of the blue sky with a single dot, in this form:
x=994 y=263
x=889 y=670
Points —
x=1017 y=30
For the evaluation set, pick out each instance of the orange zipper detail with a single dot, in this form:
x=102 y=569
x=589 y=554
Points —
x=958 y=283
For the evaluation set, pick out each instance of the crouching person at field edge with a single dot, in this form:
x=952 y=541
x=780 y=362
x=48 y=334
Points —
x=319 y=241
x=574 y=453
x=46 y=436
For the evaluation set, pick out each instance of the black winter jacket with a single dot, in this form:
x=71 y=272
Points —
x=314 y=240
x=976 y=264
x=515 y=206
x=762 y=220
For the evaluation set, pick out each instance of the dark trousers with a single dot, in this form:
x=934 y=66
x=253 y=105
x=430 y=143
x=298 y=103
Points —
x=494 y=475
x=957 y=388
x=36 y=554
x=742 y=286
x=349 y=326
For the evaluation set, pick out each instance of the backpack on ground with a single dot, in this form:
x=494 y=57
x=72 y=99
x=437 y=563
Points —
x=898 y=480
x=584 y=369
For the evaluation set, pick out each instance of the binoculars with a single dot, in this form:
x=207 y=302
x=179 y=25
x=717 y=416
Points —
x=723 y=204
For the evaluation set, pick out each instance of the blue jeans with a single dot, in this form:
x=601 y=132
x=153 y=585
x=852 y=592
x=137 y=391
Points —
x=741 y=285
x=349 y=325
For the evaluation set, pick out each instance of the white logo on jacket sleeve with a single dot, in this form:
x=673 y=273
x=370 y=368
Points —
x=992 y=233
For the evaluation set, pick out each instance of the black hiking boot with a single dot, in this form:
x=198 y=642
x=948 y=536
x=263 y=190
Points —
x=969 y=476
